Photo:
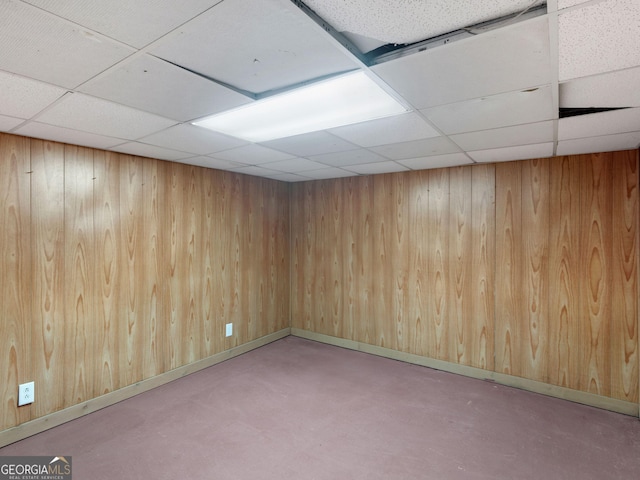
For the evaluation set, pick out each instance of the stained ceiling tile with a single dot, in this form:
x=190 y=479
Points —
x=613 y=89
x=502 y=60
x=436 y=161
x=155 y=86
x=252 y=155
x=417 y=148
x=23 y=97
x=411 y=21
x=135 y=23
x=398 y=128
x=196 y=140
x=524 y=152
x=352 y=157
x=67 y=135
x=151 y=151
x=503 y=110
x=259 y=46
x=59 y=52
x=506 y=137
x=600 y=37
x=89 y=114
x=605 y=143
x=597 y=124
x=375 y=168
x=316 y=143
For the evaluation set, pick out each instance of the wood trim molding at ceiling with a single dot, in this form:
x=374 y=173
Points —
x=46 y=422
x=606 y=403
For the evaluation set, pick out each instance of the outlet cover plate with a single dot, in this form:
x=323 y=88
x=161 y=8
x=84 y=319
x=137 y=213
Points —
x=26 y=393
x=228 y=330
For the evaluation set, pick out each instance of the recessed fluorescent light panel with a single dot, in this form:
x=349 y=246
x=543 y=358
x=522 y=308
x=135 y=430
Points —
x=344 y=100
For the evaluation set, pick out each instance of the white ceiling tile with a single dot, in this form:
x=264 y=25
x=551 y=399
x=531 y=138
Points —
x=155 y=86
x=506 y=137
x=614 y=89
x=256 y=171
x=598 y=38
x=23 y=97
x=196 y=140
x=605 y=143
x=399 y=128
x=507 y=154
x=39 y=45
x=135 y=23
x=502 y=60
x=352 y=157
x=7 y=123
x=417 y=148
x=293 y=165
x=375 y=168
x=209 y=162
x=503 y=110
x=89 y=114
x=151 y=151
x=259 y=46
x=66 y=135
x=316 y=143
x=411 y=21
x=288 y=177
x=330 y=172
x=597 y=124
x=436 y=161
x=252 y=155
x=569 y=3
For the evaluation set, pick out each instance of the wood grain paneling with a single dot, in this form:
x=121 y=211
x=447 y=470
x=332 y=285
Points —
x=131 y=268
x=596 y=273
x=207 y=249
x=109 y=253
x=514 y=267
x=15 y=286
x=417 y=251
x=508 y=267
x=479 y=337
x=624 y=321
x=153 y=283
x=47 y=304
x=438 y=272
x=460 y=264
x=79 y=261
x=131 y=271
x=535 y=236
x=564 y=273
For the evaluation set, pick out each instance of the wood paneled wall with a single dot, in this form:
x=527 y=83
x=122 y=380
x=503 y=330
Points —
x=116 y=268
x=527 y=268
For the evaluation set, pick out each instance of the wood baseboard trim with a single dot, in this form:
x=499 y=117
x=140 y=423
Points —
x=606 y=403
x=46 y=422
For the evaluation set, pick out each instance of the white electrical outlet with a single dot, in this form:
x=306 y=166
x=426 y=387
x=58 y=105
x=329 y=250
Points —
x=229 y=330
x=26 y=393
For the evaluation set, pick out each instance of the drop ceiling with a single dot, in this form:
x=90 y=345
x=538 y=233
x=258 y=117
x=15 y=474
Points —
x=483 y=81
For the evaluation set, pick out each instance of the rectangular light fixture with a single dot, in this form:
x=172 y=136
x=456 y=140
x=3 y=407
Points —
x=339 y=101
